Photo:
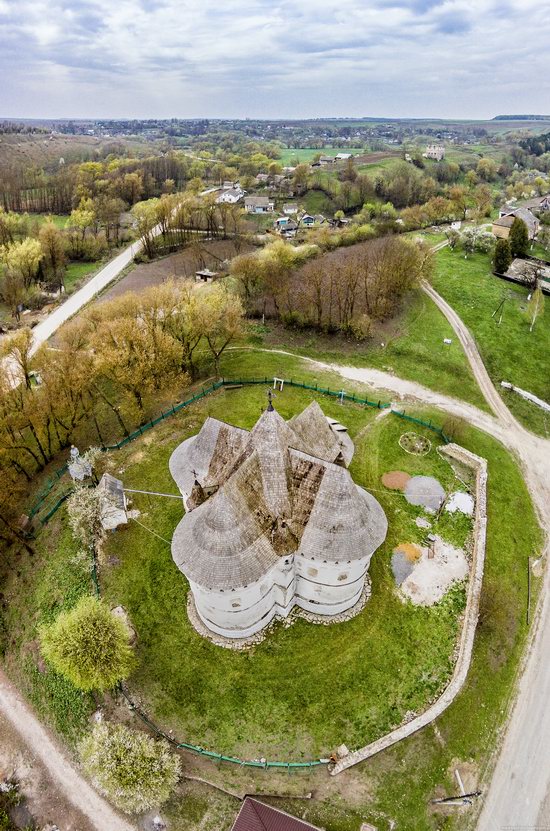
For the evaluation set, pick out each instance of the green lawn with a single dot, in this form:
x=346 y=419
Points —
x=411 y=345
x=510 y=352
x=58 y=219
x=77 y=271
x=289 y=156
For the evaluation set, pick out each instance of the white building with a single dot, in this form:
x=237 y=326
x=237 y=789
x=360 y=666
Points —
x=231 y=195
x=434 y=151
x=274 y=520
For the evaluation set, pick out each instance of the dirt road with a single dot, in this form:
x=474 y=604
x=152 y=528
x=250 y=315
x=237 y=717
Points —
x=70 y=784
x=519 y=793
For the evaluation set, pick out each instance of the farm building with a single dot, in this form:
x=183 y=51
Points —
x=274 y=520
x=502 y=225
x=538 y=205
x=231 y=195
x=258 y=204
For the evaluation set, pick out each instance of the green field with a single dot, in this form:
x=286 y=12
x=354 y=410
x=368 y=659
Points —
x=411 y=345
x=58 y=219
x=290 y=156
x=76 y=271
x=509 y=350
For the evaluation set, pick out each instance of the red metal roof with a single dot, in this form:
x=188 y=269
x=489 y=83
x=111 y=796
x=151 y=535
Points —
x=256 y=816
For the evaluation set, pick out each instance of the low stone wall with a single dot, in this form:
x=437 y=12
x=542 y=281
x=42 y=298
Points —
x=465 y=646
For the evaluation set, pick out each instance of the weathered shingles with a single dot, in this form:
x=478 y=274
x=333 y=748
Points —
x=274 y=500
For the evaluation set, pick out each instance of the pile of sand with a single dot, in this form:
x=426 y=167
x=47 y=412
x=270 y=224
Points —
x=395 y=480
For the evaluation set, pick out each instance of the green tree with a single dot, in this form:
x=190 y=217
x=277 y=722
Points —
x=88 y=645
x=535 y=307
x=135 y=771
x=53 y=249
x=519 y=238
x=23 y=258
x=502 y=257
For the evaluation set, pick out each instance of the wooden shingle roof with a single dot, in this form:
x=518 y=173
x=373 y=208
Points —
x=281 y=488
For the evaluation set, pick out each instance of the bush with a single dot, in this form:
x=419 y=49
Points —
x=89 y=646
x=502 y=256
x=133 y=770
x=519 y=238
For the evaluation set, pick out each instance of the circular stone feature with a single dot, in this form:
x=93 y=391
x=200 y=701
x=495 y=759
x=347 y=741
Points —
x=425 y=491
x=395 y=480
x=414 y=443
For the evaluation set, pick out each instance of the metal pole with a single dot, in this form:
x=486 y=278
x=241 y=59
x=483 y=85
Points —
x=153 y=493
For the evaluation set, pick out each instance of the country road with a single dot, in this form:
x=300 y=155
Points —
x=80 y=298
x=67 y=778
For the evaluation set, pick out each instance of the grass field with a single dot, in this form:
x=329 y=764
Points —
x=290 y=156
x=306 y=686
x=510 y=352
x=77 y=271
x=410 y=345
x=58 y=219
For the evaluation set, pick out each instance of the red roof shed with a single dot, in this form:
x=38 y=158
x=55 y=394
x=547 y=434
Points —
x=256 y=816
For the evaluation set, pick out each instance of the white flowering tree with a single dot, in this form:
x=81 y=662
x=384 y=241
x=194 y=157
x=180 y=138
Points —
x=133 y=770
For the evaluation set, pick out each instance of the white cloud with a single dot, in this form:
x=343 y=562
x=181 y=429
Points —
x=273 y=57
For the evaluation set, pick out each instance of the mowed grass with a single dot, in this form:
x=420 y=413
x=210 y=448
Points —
x=509 y=350
x=277 y=701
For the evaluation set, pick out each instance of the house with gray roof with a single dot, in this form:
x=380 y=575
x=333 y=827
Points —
x=501 y=226
x=258 y=204
x=274 y=520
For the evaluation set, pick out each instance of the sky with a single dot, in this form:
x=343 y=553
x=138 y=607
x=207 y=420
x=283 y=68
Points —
x=273 y=58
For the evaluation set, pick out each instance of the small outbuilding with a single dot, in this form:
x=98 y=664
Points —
x=257 y=816
x=113 y=502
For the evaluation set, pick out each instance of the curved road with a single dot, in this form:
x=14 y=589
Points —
x=69 y=781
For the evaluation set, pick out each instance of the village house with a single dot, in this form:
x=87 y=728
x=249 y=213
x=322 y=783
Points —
x=435 y=152
x=258 y=204
x=307 y=220
x=539 y=204
x=273 y=520
x=290 y=209
x=230 y=196
x=343 y=157
x=205 y=275
x=501 y=226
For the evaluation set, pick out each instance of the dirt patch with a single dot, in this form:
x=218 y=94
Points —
x=41 y=797
x=181 y=265
x=410 y=550
x=395 y=480
x=433 y=574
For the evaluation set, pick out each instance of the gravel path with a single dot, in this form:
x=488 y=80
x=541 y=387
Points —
x=67 y=778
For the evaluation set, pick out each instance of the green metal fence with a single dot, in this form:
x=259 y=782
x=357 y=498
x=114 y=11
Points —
x=225 y=382
x=262 y=764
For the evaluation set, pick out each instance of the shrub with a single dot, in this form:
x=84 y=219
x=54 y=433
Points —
x=88 y=645
x=133 y=770
x=519 y=238
x=502 y=257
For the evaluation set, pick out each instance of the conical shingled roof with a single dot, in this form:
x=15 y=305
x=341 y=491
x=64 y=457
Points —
x=314 y=434
x=272 y=500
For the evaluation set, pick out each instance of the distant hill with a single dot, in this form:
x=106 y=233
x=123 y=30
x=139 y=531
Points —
x=521 y=118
